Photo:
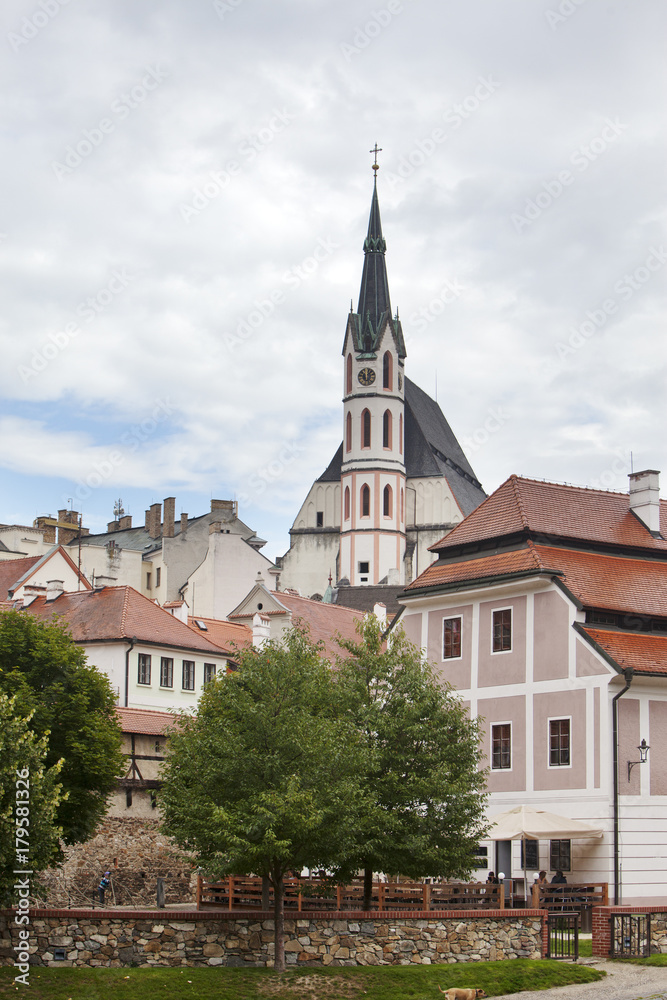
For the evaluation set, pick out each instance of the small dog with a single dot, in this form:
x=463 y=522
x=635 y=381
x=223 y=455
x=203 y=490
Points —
x=454 y=993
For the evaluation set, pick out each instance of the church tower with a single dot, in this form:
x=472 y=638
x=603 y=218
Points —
x=373 y=471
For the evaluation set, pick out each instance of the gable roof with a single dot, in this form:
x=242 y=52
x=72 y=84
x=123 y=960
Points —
x=323 y=620
x=12 y=570
x=557 y=510
x=121 y=613
x=23 y=569
x=646 y=654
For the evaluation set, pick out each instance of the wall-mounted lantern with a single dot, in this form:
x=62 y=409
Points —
x=643 y=755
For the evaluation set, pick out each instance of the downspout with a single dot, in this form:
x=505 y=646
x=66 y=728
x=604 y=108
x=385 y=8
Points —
x=628 y=674
x=127 y=668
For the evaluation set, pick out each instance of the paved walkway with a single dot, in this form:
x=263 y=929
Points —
x=624 y=981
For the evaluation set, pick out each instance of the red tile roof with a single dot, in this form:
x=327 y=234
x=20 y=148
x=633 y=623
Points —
x=223 y=633
x=324 y=620
x=570 y=512
x=597 y=580
x=114 y=613
x=646 y=653
x=145 y=721
x=524 y=560
x=11 y=571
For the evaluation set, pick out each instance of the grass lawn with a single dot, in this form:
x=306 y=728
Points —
x=651 y=960
x=389 y=982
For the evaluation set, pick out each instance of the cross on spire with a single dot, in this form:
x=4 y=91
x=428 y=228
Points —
x=376 y=150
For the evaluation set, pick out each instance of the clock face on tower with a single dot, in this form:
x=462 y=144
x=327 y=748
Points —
x=366 y=376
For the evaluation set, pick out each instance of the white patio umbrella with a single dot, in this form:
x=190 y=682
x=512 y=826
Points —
x=528 y=823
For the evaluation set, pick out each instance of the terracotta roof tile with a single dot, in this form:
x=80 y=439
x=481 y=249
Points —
x=524 y=560
x=223 y=633
x=645 y=653
x=11 y=571
x=114 y=613
x=556 y=509
x=145 y=721
x=597 y=580
x=324 y=620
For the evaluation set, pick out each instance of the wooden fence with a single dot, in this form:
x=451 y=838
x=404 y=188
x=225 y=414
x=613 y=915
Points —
x=577 y=896
x=245 y=893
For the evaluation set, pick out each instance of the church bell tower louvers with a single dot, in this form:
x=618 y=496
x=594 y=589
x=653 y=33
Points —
x=373 y=471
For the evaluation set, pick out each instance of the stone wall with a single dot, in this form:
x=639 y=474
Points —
x=106 y=938
x=136 y=854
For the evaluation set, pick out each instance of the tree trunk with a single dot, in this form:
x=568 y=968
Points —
x=266 y=893
x=368 y=889
x=279 y=922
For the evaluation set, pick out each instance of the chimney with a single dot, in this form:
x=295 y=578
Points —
x=155 y=520
x=125 y=522
x=645 y=498
x=112 y=526
x=229 y=505
x=215 y=527
x=54 y=588
x=261 y=629
x=380 y=612
x=147 y=520
x=184 y=523
x=66 y=535
x=30 y=592
x=169 y=512
x=49 y=530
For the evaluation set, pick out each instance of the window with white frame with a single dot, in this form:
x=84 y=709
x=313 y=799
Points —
x=209 y=672
x=166 y=672
x=559 y=743
x=451 y=638
x=502 y=630
x=144 y=669
x=501 y=747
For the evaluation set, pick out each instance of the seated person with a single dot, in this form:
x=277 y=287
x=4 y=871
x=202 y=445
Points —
x=559 y=879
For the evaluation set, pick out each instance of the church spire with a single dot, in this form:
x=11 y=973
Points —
x=374 y=302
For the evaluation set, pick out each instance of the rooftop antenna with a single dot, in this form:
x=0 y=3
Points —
x=632 y=467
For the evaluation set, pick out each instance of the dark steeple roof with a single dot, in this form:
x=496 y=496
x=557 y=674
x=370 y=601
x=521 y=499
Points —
x=374 y=309
x=374 y=302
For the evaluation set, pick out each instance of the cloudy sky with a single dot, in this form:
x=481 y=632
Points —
x=187 y=188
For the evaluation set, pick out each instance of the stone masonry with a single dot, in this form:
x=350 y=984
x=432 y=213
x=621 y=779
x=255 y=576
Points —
x=156 y=938
x=136 y=853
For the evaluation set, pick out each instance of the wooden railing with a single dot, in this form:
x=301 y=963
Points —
x=575 y=896
x=244 y=893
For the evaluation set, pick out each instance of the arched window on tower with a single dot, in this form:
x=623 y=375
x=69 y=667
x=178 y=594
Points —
x=348 y=432
x=387 y=501
x=346 y=504
x=400 y=433
x=386 y=429
x=387 y=371
x=365 y=501
x=366 y=429
x=348 y=374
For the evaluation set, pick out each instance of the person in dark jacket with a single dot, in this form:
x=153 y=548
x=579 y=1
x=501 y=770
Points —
x=559 y=879
x=105 y=882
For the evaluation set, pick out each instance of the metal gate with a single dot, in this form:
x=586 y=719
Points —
x=630 y=935
x=563 y=935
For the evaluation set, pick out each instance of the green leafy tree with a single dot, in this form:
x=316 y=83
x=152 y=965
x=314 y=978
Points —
x=30 y=794
x=263 y=780
x=73 y=705
x=423 y=781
